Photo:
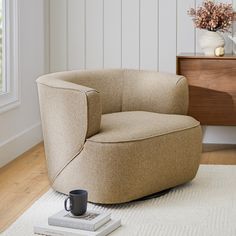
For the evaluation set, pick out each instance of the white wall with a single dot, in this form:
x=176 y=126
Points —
x=142 y=34
x=20 y=128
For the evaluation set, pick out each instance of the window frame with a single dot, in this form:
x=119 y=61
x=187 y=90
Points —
x=10 y=98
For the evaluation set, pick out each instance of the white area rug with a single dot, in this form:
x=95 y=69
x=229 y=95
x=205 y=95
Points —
x=204 y=207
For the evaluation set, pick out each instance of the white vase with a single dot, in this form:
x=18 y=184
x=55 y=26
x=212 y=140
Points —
x=209 y=41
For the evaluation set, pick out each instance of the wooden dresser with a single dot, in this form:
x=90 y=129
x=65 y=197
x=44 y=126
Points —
x=212 y=87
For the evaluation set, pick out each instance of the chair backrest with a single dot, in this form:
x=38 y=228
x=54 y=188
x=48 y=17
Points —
x=130 y=90
x=154 y=92
x=109 y=83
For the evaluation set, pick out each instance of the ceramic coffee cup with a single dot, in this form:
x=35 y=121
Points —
x=78 y=202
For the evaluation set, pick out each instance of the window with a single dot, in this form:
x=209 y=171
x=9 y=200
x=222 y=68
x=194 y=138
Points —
x=9 y=89
x=1 y=47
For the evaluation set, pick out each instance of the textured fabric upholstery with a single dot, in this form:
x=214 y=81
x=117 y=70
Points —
x=138 y=125
x=69 y=115
x=123 y=171
x=155 y=92
x=108 y=83
x=120 y=134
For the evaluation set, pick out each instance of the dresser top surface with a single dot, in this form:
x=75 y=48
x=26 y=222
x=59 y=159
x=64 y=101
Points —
x=202 y=56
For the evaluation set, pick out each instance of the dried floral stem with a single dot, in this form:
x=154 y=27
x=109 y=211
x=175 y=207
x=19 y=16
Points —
x=213 y=16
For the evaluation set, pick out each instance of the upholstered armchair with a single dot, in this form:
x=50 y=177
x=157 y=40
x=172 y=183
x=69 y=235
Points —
x=120 y=134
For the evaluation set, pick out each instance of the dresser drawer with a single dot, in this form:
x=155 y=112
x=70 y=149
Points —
x=212 y=88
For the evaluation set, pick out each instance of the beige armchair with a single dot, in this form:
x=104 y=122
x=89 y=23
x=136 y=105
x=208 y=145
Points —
x=120 y=134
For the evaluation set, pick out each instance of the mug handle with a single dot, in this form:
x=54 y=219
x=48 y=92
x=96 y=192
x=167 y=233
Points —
x=65 y=204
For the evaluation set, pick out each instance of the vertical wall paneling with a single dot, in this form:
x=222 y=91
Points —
x=234 y=27
x=185 y=27
x=47 y=36
x=76 y=37
x=234 y=35
x=112 y=33
x=167 y=35
x=198 y=31
x=149 y=34
x=94 y=34
x=143 y=34
x=58 y=35
x=228 y=42
x=130 y=33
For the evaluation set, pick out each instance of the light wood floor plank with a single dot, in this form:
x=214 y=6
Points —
x=22 y=182
x=221 y=157
x=25 y=180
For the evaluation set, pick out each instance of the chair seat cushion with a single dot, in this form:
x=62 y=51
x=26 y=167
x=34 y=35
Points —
x=139 y=125
x=134 y=155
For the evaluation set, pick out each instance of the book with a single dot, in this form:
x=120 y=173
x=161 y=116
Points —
x=49 y=230
x=91 y=220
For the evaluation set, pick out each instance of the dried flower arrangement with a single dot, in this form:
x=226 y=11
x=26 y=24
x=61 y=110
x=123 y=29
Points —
x=213 y=16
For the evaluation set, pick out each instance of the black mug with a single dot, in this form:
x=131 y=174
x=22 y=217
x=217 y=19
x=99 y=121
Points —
x=78 y=202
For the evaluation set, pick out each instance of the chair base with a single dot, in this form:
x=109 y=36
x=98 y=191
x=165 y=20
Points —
x=154 y=195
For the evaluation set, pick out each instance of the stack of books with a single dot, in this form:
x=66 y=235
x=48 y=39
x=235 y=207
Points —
x=91 y=223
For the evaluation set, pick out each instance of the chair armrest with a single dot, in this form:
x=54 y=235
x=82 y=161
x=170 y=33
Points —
x=155 y=92
x=70 y=113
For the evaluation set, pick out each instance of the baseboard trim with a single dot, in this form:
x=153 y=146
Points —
x=20 y=143
x=209 y=147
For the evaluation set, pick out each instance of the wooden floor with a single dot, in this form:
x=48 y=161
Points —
x=21 y=183
x=24 y=180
